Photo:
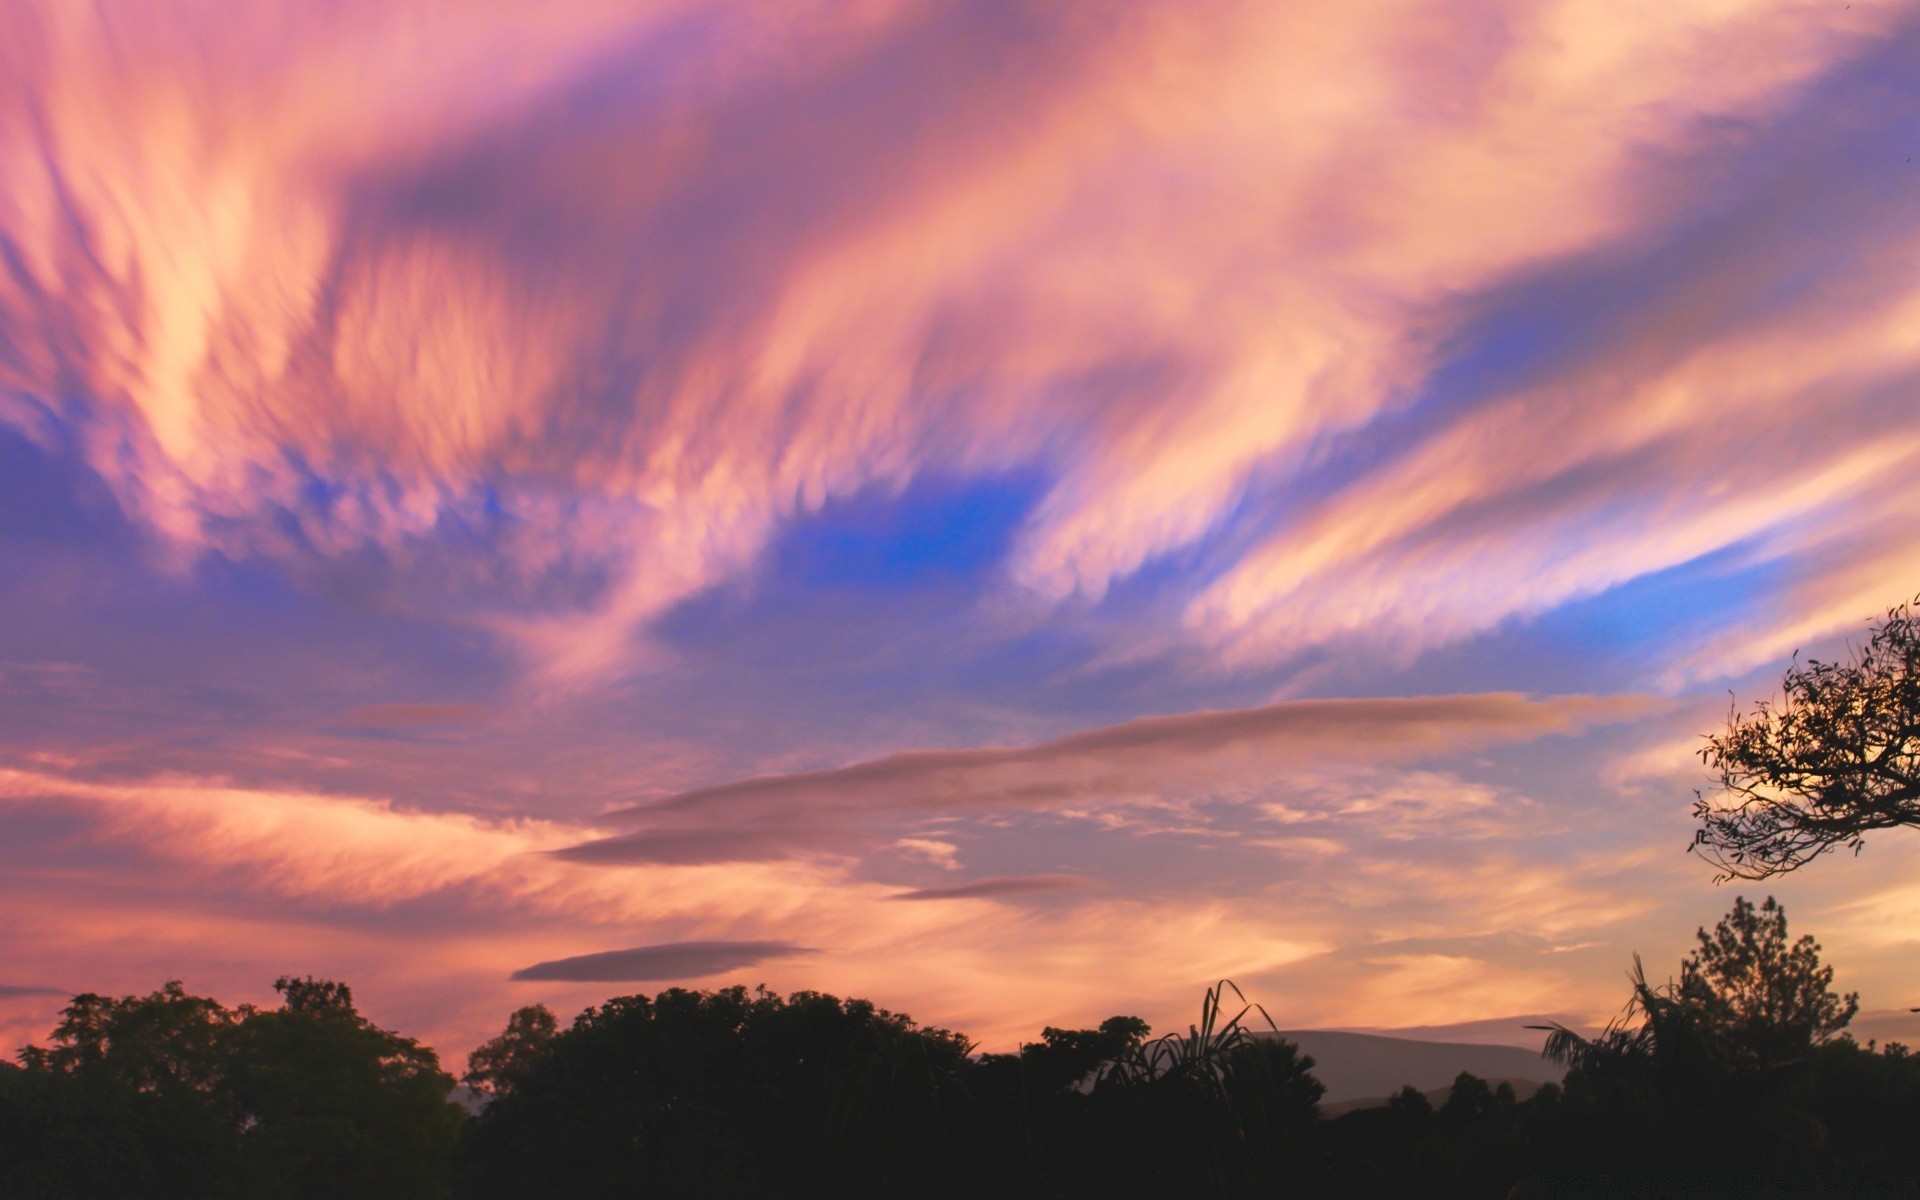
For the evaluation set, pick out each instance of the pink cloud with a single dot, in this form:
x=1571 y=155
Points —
x=788 y=252
x=560 y=318
x=1784 y=436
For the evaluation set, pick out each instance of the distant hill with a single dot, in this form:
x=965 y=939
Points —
x=1357 y=1066
x=1886 y=1025
x=1523 y=1089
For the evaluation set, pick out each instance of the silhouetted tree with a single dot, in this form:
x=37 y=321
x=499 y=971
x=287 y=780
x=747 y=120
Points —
x=1066 y=1058
x=724 y=1093
x=1836 y=757
x=1270 y=1104
x=1867 y=1104
x=1472 y=1097
x=1747 y=996
x=317 y=997
x=175 y=1095
x=1771 y=998
x=129 y=1099
x=336 y=1106
x=1718 y=1062
x=1411 y=1101
x=1738 y=1065
x=1029 y=1118
x=494 y=1067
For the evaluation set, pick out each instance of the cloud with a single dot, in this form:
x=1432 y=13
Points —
x=670 y=960
x=426 y=912
x=340 y=854
x=1450 y=989
x=133 y=882
x=1776 y=430
x=1149 y=752
x=1000 y=885
x=1133 y=762
x=10 y=990
x=562 y=349
x=294 y=843
x=930 y=850
x=719 y=845
x=535 y=342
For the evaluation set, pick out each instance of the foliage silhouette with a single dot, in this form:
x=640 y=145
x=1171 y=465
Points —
x=175 y=1095
x=1746 y=998
x=1837 y=757
x=1200 y=1056
x=1731 y=1058
x=498 y=1064
x=1228 y=1112
x=336 y=1106
x=1739 y=1064
x=1239 y=1106
x=725 y=1093
x=1771 y=997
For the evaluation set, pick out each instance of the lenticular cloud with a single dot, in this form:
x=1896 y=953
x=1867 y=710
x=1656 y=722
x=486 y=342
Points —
x=671 y=960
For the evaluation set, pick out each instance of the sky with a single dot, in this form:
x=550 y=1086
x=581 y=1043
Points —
x=1016 y=511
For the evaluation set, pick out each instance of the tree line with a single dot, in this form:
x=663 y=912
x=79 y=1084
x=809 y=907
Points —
x=1737 y=1066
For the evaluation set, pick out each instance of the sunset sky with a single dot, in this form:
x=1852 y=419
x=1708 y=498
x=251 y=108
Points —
x=1016 y=511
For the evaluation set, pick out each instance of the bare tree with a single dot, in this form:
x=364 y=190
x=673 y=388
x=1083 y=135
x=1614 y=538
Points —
x=1838 y=755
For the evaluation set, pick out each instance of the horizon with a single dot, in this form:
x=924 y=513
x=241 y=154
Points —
x=1012 y=513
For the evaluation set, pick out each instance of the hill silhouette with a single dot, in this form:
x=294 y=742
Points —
x=1359 y=1066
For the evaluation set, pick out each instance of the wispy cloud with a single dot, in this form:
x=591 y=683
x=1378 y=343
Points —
x=567 y=349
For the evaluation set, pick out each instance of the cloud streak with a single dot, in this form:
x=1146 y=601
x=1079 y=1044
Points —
x=1134 y=762
x=669 y=961
x=1000 y=885
x=1150 y=750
